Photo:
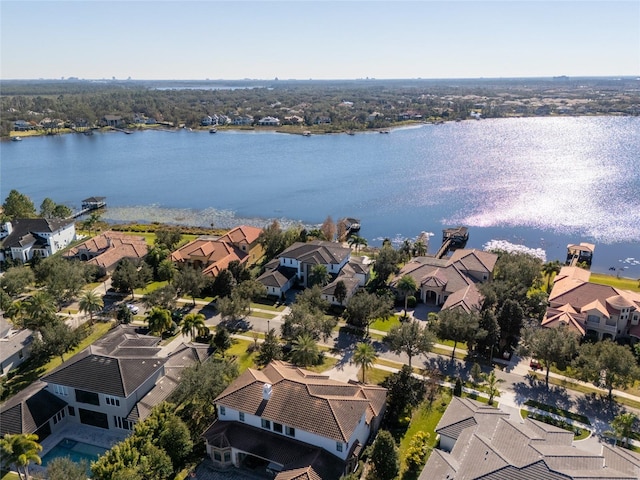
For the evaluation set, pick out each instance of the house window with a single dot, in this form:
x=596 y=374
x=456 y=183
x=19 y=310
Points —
x=227 y=457
x=122 y=423
x=217 y=456
x=58 y=416
x=60 y=390
x=72 y=411
x=290 y=431
x=113 y=401
x=277 y=427
x=339 y=446
x=223 y=411
x=593 y=319
x=241 y=416
x=266 y=424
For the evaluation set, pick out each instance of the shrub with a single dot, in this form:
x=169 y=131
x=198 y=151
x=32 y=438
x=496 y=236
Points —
x=411 y=302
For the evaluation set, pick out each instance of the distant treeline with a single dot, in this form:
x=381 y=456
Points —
x=344 y=105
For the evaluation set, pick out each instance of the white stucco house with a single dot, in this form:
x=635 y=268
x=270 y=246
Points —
x=25 y=238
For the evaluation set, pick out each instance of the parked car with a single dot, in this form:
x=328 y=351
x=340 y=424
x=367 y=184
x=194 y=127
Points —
x=133 y=308
x=535 y=364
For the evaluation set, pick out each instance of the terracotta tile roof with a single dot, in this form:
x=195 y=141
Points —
x=322 y=406
x=109 y=248
x=214 y=254
x=243 y=233
x=557 y=317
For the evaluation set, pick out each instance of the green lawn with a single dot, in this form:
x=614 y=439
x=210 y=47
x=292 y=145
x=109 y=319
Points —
x=239 y=350
x=581 y=435
x=266 y=315
x=150 y=287
x=385 y=324
x=558 y=411
x=375 y=375
x=267 y=304
x=613 y=281
x=424 y=419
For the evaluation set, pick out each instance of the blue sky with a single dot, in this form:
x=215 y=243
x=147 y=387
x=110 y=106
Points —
x=317 y=39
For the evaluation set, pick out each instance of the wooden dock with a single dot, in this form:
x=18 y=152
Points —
x=452 y=239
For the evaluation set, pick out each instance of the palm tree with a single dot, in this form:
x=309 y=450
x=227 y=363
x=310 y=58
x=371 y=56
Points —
x=419 y=248
x=193 y=325
x=304 y=350
x=16 y=313
x=159 y=320
x=90 y=303
x=364 y=356
x=406 y=285
x=623 y=426
x=550 y=268
x=492 y=385
x=357 y=241
x=318 y=276
x=40 y=308
x=21 y=449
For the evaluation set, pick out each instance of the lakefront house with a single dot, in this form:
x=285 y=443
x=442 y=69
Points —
x=294 y=423
x=24 y=238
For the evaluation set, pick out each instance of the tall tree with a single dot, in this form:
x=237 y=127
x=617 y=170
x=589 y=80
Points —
x=40 y=310
x=90 y=303
x=550 y=269
x=165 y=297
x=492 y=385
x=384 y=456
x=47 y=207
x=198 y=385
x=364 y=355
x=328 y=229
x=456 y=325
x=63 y=468
x=159 y=320
x=510 y=318
x=192 y=324
x=318 y=276
x=249 y=291
x=407 y=286
x=549 y=345
x=222 y=340
x=156 y=255
x=272 y=240
x=364 y=308
x=20 y=449
x=340 y=291
x=488 y=334
x=168 y=238
x=55 y=339
x=624 y=425
x=127 y=277
x=270 y=349
x=18 y=205
x=189 y=281
x=16 y=280
x=386 y=264
x=304 y=351
x=606 y=363
x=410 y=338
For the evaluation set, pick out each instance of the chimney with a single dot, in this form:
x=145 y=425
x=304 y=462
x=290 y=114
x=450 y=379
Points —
x=266 y=391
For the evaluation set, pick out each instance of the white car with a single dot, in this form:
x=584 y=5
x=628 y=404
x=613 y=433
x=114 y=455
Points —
x=133 y=308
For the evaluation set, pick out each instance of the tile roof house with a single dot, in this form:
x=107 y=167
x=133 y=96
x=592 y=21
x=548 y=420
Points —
x=114 y=382
x=295 y=421
x=33 y=410
x=25 y=238
x=296 y=262
x=597 y=311
x=451 y=282
x=213 y=255
x=481 y=444
x=107 y=249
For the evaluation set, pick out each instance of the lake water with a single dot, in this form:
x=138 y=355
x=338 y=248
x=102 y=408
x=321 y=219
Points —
x=538 y=182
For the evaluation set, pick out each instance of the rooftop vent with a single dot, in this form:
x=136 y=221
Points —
x=266 y=391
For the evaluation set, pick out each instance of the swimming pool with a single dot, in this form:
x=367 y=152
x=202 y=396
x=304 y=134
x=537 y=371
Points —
x=76 y=451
